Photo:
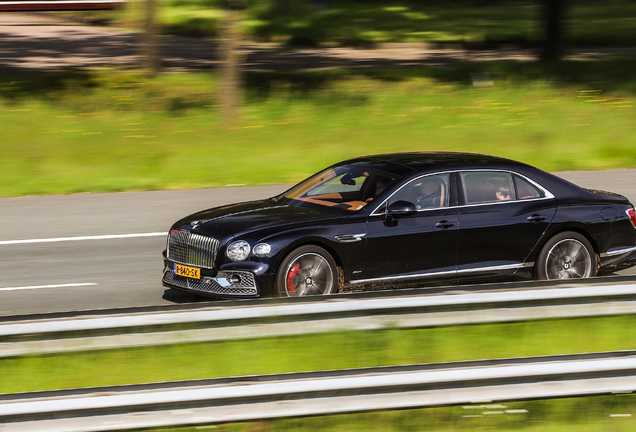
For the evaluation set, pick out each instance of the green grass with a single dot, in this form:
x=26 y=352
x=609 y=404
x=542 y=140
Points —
x=338 y=350
x=114 y=130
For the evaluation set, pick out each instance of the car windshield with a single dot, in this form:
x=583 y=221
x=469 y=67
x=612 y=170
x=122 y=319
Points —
x=347 y=187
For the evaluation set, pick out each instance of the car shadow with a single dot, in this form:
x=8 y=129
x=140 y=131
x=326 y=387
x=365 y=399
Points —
x=179 y=297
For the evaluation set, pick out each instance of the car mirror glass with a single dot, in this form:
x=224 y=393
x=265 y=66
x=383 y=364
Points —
x=401 y=207
x=347 y=179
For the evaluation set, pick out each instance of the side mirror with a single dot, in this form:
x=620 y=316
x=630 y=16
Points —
x=401 y=207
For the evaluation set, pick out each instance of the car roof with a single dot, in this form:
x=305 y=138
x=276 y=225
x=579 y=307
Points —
x=416 y=163
x=421 y=161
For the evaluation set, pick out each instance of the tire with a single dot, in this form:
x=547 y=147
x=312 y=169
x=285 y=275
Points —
x=307 y=270
x=565 y=256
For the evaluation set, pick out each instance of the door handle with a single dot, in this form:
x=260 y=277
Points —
x=444 y=224
x=536 y=218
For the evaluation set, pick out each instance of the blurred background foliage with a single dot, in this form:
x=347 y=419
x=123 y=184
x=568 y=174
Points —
x=476 y=23
x=114 y=128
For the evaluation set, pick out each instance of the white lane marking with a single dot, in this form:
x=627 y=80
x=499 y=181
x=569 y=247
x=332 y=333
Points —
x=47 y=286
x=98 y=237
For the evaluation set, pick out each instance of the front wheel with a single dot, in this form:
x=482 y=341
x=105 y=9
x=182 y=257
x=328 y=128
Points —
x=307 y=270
x=565 y=256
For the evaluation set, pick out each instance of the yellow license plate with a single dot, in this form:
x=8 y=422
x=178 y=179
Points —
x=190 y=272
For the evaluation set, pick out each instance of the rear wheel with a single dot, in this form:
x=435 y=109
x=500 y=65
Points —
x=567 y=255
x=307 y=270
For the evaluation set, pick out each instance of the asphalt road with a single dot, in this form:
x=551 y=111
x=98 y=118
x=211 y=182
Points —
x=44 y=271
x=41 y=276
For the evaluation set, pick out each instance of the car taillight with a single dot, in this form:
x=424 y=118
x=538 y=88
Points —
x=632 y=216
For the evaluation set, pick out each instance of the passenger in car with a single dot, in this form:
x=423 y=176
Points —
x=380 y=184
x=503 y=194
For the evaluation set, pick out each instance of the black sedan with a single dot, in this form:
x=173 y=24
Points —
x=400 y=220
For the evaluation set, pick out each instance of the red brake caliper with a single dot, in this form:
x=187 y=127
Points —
x=291 y=288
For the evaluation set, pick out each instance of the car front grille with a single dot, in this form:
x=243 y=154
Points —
x=189 y=248
x=246 y=286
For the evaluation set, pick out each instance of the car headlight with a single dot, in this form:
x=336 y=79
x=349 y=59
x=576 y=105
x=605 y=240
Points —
x=261 y=250
x=238 y=251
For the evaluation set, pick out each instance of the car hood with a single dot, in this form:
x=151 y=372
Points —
x=233 y=220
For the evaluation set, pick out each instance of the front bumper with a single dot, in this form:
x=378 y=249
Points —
x=235 y=284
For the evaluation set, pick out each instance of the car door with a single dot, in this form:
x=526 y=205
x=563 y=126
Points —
x=502 y=216
x=416 y=246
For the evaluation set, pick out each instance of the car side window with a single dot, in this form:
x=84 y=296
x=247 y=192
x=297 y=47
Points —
x=487 y=186
x=526 y=190
x=425 y=192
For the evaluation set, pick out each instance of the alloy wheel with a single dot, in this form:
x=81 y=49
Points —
x=309 y=274
x=568 y=259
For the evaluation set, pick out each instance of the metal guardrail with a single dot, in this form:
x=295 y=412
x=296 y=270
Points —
x=77 y=331
x=249 y=398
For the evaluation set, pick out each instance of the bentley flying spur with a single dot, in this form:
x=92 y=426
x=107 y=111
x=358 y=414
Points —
x=403 y=220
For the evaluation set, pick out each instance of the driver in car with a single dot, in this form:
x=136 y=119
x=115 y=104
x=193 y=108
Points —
x=430 y=194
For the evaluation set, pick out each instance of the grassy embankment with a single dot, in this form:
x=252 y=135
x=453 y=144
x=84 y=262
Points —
x=115 y=130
